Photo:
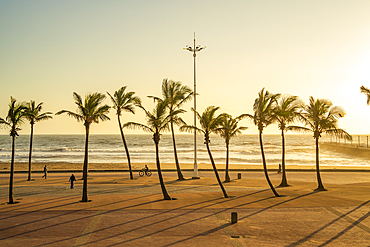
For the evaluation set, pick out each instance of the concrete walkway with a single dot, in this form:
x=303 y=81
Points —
x=125 y=212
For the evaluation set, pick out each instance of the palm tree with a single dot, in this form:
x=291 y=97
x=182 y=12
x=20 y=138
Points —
x=227 y=130
x=321 y=117
x=285 y=112
x=263 y=116
x=34 y=115
x=89 y=111
x=366 y=91
x=157 y=122
x=124 y=102
x=13 y=120
x=209 y=123
x=177 y=94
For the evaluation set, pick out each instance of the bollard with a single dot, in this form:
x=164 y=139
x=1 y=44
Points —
x=239 y=175
x=234 y=217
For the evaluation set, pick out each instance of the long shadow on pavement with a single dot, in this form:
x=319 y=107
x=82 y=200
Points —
x=305 y=239
x=60 y=215
x=167 y=219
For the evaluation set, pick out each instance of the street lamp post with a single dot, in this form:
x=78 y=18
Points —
x=195 y=49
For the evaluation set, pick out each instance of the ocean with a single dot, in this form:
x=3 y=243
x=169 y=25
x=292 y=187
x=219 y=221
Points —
x=244 y=150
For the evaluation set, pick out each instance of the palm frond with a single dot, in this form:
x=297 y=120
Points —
x=76 y=116
x=78 y=99
x=366 y=91
x=44 y=116
x=155 y=98
x=228 y=127
x=339 y=133
x=191 y=129
x=135 y=126
x=196 y=113
x=299 y=129
x=337 y=111
x=115 y=104
x=15 y=117
x=3 y=122
x=178 y=121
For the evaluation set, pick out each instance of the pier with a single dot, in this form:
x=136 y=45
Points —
x=359 y=146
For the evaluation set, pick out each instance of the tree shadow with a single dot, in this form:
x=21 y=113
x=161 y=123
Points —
x=354 y=223
x=305 y=239
x=119 y=225
x=60 y=215
x=167 y=219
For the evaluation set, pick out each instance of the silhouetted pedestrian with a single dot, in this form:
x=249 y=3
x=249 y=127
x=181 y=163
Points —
x=279 y=171
x=72 y=179
x=45 y=171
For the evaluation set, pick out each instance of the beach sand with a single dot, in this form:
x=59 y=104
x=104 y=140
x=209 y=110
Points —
x=63 y=166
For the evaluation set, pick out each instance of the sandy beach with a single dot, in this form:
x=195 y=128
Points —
x=63 y=166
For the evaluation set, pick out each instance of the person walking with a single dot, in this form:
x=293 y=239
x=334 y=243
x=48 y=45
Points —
x=45 y=172
x=279 y=170
x=72 y=179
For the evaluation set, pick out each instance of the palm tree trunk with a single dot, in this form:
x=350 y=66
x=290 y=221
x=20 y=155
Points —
x=11 y=200
x=179 y=174
x=215 y=170
x=284 y=182
x=265 y=167
x=84 y=189
x=126 y=148
x=30 y=154
x=227 y=177
x=320 y=185
x=166 y=196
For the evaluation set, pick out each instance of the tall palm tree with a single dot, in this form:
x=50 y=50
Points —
x=124 y=102
x=34 y=115
x=209 y=123
x=286 y=112
x=366 y=91
x=13 y=120
x=177 y=94
x=263 y=116
x=157 y=122
x=88 y=111
x=321 y=117
x=227 y=130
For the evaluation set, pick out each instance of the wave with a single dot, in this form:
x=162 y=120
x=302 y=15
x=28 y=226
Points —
x=244 y=149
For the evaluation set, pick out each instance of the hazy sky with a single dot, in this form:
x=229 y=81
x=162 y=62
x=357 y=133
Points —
x=50 y=49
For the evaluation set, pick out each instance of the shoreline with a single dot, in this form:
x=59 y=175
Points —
x=167 y=167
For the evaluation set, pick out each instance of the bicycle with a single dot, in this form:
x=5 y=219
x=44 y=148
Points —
x=146 y=172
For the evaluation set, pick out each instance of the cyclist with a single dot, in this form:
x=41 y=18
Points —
x=146 y=169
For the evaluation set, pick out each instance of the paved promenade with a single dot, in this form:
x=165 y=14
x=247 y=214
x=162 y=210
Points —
x=125 y=212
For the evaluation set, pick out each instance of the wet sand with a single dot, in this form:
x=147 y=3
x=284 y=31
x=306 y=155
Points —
x=63 y=166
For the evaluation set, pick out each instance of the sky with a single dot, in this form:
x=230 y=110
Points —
x=50 y=49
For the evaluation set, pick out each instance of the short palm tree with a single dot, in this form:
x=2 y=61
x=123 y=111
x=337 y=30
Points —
x=124 y=102
x=15 y=117
x=263 y=116
x=286 y=112
x=209 y=123
x=34 y=115
x=88 y=111
x=177 y=94
x=157 y=122
x=366 y=91
x=321 y=117
x=227 y=130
